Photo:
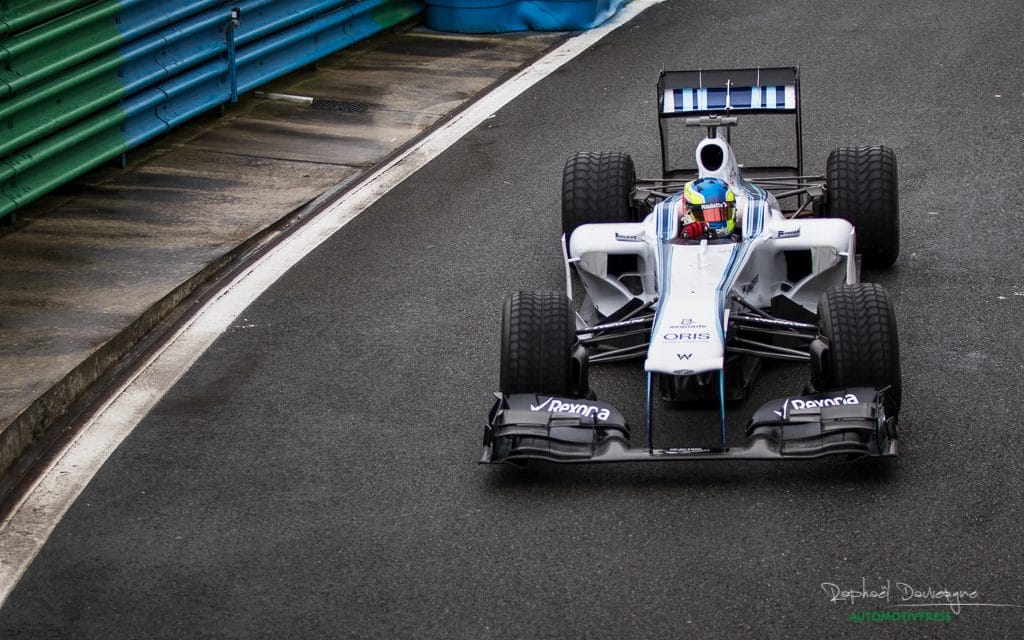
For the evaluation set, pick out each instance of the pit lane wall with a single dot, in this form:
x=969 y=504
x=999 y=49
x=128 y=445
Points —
x=82 y=82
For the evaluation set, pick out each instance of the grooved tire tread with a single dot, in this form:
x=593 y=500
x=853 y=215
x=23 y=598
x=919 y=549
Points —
x=538 y=332
x=597 y=187
x=862 y=188
x=860 y=325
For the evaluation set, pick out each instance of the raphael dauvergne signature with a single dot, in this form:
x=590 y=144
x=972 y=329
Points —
x=902 y=594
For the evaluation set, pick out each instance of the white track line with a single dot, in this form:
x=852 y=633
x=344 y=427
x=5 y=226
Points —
x=30 y=524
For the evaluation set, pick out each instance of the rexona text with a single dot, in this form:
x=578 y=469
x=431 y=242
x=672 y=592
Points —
x=554 y=405
x=797 y=403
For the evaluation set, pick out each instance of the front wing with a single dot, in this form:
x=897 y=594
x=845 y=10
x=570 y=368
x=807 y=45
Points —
x=851 y=422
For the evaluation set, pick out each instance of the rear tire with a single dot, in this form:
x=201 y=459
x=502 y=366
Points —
x=862 y=188
x=538 y=335
x=857 y=343
x=597 y=187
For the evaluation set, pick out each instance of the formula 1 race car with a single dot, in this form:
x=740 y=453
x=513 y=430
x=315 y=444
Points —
x=704 y=312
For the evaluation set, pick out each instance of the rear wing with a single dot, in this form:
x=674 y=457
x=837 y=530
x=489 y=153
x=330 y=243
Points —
x=728 y=92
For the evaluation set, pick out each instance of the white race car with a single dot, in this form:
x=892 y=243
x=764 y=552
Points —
x=702 y=313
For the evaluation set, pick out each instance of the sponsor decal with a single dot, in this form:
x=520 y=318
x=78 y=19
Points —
x=629 y=237
x=688 y=323
x=684 y=356
x=675 y=451
x=795 y=233
x=798 y=404
x=686 y=337
x=683 y=372
x=554 y=405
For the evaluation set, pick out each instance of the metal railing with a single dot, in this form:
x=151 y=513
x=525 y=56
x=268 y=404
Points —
x=82 y=82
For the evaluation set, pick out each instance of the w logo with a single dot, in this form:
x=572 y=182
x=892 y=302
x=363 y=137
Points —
x=684 y=356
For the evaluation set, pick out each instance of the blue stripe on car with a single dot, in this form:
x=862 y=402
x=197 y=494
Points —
x=716 y=98
x=664 y=230
x=742 y=99
x=757 y=209
x=664 y=282
x=664 y=221
x=738 y=250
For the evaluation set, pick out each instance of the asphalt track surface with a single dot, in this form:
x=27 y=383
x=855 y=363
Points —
x=314 y=474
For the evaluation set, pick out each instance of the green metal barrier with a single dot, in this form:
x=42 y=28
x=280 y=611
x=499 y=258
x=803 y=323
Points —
x=41 y=52
x=60 y=101
x=21 y=14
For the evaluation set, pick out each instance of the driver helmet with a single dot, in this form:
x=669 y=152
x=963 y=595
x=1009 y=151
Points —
x=710 y=200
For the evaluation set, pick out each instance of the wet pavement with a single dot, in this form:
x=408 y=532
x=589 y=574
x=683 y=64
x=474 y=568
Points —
x=87 y=273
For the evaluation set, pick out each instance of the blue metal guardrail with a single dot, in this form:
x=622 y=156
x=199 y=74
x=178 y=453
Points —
x=81 y=82
x=491 y=16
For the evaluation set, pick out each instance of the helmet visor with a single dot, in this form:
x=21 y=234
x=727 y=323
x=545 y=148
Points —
x=712 y=212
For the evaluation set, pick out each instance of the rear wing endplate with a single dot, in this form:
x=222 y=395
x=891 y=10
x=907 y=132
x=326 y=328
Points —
x=726 y=92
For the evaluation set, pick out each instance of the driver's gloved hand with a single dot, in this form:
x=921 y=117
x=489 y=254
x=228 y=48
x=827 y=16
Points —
x=693 y=230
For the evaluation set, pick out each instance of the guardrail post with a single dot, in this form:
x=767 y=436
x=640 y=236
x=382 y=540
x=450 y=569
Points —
x=235 y=19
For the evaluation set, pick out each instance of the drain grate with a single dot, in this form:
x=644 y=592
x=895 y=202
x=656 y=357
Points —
x=343 y=105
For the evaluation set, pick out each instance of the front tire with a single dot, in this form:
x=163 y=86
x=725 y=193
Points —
x=598 y=187
x=538 y=337
x=857 y=343
x=862 y=188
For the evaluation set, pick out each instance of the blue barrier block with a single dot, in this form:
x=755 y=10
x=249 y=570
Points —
x=498 y=16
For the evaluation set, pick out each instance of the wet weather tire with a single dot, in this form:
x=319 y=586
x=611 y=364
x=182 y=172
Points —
x=597 y=187
x=857 y=341
x=538 y=334
x=862 y=188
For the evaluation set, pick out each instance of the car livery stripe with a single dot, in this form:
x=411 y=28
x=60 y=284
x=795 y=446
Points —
x=765 y=98
x=688 y=101
x=739 y=251
x=753 y=222
x=664 y=219
x=663 y=222
x=669 y=101
x=743 y=99
x=717 y=99
x=664 y=282
x=757 y=209
x=753 y=225
x=664 y=230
